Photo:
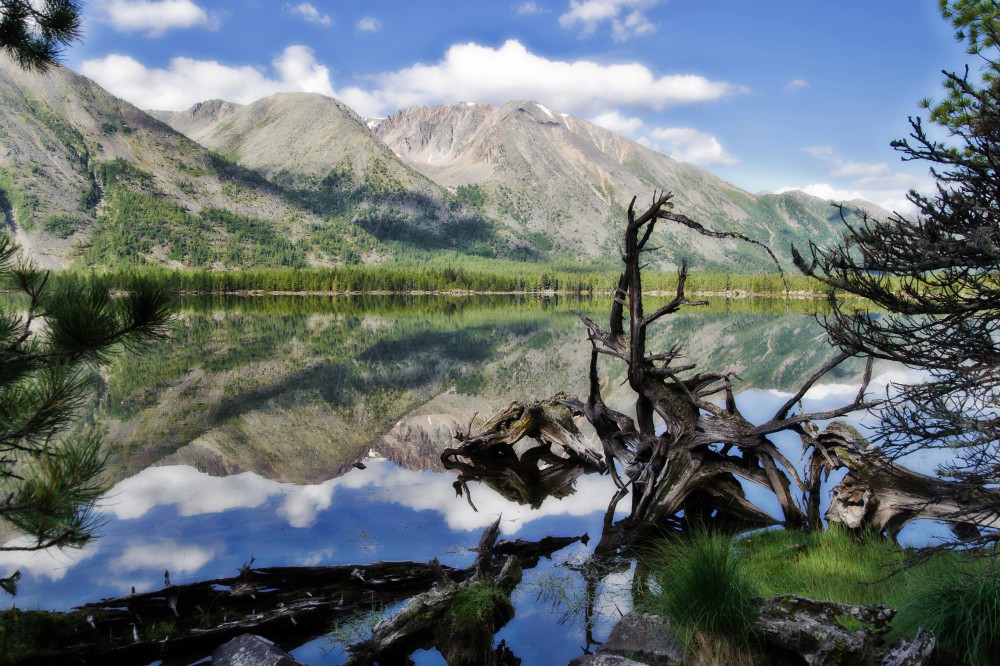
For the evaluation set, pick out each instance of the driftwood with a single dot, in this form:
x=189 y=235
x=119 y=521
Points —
x=880 y=495
x=688 y=466
x=288 y=605
x=559 y=453
x=428 y=619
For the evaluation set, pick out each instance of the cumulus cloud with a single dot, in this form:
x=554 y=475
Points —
x=823 y=191
x=191 y=491
x=52 y=563
x=526 y=8
x=497 y=75
x=685 y=144
x=369 y=24
x=616 y=122
x=626 y=18
x=176 y=557
x=155 y=17
x=796 y=84
x=467 y=72
x=874 y=181
x=308 y=12
x=188 y=81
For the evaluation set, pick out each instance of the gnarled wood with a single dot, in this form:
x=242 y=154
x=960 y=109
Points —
x=884 y=496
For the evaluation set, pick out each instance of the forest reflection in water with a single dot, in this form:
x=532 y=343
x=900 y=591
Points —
x=239 y=436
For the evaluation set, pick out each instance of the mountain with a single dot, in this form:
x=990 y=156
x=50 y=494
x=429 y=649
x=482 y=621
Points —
x=557 y=179
x=299 y=179
x=327 y=157
x=86 y=176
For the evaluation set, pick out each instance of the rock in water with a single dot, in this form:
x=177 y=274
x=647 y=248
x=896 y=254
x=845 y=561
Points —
x=251 y=650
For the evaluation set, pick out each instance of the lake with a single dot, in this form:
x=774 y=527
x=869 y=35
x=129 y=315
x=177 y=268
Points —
x=238 y=438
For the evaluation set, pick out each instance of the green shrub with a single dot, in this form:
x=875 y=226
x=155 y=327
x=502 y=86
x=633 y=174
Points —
x=833 y=565
x=961 y=605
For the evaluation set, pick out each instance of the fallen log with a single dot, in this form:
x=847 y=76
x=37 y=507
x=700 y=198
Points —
x=457 y=619
x=288 y=605
x=880 y=495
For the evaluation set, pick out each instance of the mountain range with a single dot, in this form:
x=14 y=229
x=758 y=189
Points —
x=299 y=179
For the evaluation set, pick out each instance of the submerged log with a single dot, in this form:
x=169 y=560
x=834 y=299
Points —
x=457 y=619
x=288 y=605
x=549 y=422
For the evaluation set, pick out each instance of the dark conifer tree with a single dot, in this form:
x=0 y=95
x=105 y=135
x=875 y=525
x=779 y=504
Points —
x=934 y=276
x=50 y=463
x=35 y=32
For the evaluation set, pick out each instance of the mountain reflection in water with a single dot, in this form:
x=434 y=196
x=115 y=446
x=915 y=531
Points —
x=238 y=437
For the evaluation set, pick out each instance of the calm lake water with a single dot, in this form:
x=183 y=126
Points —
x=237 y=438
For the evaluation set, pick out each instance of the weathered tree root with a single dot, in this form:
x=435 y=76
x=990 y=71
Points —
x=690 y=466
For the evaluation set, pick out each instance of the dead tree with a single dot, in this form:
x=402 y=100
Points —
x=684 y=454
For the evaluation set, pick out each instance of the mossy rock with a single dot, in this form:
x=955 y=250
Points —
x=465 y=633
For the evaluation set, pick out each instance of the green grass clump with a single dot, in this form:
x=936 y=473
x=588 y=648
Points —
x=702 y=586
x=25 y=634
x=479 y=604
x=961 y=606
x=833 y=565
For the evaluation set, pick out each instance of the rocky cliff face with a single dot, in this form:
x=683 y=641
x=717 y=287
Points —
x=550 y=174
x=200 y=118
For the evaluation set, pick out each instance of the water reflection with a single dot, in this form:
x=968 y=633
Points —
x=238 y=438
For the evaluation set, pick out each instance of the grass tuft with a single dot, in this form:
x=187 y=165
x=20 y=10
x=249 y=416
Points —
x=961 y=606
x=833 y=565
x=701 y=585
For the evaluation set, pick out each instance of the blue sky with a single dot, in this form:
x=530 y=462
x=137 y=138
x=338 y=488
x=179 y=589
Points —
x=767 y=94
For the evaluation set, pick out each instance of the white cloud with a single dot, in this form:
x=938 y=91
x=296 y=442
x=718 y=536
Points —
x=297 y=66
x=306 y=11
x=178 y=558
x=589 y=15
x=616 y=122
x=796 y=84
x=467 y=72
x=685 y=144
x=53 y=563
x=526 y=8
x=155 y=17
x=472 y=72
x=874 y=181
x=193 y=492
x=824 y=191
x=369 y=24
x=188 y=81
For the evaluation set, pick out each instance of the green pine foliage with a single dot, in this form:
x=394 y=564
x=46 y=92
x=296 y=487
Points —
x=50 y=465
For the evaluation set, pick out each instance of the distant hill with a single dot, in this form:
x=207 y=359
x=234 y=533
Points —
x=299 y=179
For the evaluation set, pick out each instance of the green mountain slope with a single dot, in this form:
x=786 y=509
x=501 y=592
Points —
x=327 y=158
x=86 y=177
x=299 y=179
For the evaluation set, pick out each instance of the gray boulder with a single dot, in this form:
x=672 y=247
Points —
x=638 y=639
x=251 y=650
